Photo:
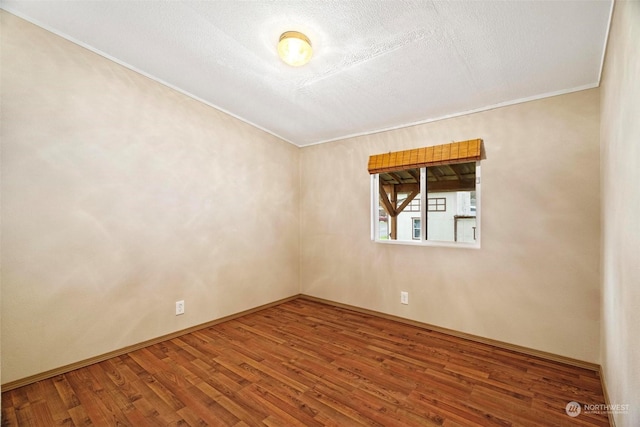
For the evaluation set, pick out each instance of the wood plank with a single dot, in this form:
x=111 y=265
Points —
x=310 y=364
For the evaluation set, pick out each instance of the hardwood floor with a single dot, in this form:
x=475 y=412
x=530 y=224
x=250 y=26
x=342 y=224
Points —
x=303 y=363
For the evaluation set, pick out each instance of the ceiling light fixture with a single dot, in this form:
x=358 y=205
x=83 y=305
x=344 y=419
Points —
x=294 y=48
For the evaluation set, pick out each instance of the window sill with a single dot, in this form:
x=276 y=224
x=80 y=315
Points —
x=460 y=245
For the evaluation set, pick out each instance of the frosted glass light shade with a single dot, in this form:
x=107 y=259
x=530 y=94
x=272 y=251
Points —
x=294 y=48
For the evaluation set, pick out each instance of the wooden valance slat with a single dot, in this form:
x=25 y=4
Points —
x=455 y=152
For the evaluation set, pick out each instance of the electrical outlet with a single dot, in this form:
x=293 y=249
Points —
x=404 y=297
x=179 y=307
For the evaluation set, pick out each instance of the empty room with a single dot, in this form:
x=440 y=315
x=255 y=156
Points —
x=320 y=213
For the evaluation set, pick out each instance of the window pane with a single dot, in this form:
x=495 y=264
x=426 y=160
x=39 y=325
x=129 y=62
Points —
x=437 y=204
x=416 y=228
x=383 y=224
x=399 y=200
x=451 y=200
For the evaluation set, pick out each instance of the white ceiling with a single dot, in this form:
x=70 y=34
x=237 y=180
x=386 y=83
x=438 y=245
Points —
x=377 y=64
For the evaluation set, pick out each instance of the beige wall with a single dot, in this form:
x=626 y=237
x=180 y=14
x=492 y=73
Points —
x=533 y=283
x=121 y=196
x=620 y=142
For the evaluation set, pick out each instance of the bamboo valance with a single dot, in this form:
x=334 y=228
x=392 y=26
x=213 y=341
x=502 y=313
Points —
x=455 y=152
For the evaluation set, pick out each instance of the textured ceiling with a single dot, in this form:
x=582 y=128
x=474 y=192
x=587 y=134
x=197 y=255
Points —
x=377 y=64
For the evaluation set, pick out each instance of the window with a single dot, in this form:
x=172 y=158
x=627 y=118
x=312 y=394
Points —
x=437 y=204
x=416 y=228
x=413 y=206
x=441 y=183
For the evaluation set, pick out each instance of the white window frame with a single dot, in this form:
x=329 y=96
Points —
x=375 y=203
